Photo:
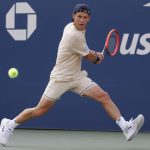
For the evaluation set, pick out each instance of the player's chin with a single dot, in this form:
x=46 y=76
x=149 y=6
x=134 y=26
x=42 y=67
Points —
x=82 y=27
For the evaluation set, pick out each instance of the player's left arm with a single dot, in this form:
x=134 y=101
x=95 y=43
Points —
x=94 y=56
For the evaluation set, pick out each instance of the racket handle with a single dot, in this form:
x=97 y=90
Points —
x=97 y=58
x=103 y=51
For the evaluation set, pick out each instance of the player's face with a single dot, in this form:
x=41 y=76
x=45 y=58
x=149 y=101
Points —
x=81 y=20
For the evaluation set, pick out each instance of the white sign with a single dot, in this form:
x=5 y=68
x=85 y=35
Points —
x=21 y=34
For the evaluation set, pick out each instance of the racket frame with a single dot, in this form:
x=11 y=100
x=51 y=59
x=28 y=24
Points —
x=105 y=49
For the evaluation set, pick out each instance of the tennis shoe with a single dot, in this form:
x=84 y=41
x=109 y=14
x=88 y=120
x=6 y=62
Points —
x=133 y=127
x=5 y=131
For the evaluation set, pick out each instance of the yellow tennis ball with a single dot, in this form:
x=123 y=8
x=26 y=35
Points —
x=13 y=73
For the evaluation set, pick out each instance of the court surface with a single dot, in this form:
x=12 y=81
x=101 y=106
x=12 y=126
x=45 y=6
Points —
x=27 y=139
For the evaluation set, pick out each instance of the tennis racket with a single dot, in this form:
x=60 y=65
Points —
x=112 y=43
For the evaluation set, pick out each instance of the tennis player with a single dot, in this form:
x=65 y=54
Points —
x=68 y=76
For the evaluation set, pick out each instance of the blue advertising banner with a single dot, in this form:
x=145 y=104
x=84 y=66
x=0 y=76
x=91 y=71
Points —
x=30 y=32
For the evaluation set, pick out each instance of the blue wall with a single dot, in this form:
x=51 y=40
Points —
x=126 y=77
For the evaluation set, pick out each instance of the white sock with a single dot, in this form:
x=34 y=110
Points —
x=122 y=123
x=12 y=124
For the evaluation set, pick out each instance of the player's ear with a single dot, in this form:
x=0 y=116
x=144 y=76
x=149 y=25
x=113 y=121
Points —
x=73 y=16
x=89 y=18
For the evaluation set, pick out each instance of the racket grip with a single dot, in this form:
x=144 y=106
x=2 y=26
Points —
x=103 y=51
x=97 y=58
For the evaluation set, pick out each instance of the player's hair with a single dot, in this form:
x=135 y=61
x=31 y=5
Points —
x=81 y=8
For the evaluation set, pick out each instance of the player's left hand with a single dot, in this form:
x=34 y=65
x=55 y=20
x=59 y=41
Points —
x=101 y=57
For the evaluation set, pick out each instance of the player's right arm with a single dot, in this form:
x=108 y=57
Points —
x=95 y=57
x=80 y=47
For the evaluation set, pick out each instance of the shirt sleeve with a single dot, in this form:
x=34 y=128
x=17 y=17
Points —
x=78 y=44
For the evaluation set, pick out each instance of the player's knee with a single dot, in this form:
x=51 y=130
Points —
x=39 y=112
x=104 y=97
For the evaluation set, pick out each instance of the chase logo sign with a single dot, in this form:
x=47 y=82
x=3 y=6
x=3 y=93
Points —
x=21 y=34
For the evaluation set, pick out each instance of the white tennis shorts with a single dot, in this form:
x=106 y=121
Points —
x=55 y=89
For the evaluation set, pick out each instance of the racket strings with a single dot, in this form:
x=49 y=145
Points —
x=112 y=43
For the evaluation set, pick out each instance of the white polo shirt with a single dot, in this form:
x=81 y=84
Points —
x=69 y=56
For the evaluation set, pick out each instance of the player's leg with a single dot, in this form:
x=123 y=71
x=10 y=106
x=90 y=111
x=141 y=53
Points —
x=43 y=106
x=86 y=87
x=7 y=126
x=129 y=128
x=98 y=94
x=53 y=91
